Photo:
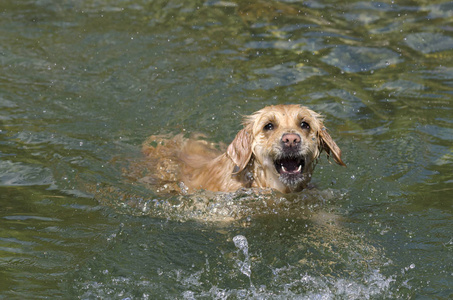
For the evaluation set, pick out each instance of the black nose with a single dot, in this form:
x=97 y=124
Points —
x=290 y=140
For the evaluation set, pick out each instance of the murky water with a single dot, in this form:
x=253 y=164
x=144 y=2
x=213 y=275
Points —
x=84 y=83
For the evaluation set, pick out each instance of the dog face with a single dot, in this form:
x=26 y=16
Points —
x=282 y=143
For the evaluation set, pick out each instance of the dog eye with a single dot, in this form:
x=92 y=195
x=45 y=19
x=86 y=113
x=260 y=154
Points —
x=269 y=126
x=304 y=125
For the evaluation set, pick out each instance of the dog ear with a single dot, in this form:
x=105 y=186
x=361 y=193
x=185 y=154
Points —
x=240 y=150
x=326 y=143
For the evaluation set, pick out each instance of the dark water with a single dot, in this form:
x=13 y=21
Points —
x=83 y=83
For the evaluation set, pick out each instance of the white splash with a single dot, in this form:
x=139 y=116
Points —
x=241 y=243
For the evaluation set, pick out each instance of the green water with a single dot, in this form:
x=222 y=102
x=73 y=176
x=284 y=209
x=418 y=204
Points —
x=84 y=83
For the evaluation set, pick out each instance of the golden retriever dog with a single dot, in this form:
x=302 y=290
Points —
x=278 y=148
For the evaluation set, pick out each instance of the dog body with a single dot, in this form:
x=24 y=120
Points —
x=277 y=148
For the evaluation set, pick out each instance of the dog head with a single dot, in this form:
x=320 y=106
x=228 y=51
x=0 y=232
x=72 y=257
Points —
x=282 y=142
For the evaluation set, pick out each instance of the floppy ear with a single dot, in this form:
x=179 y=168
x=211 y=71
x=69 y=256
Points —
x=326 y=143
x=240 y=150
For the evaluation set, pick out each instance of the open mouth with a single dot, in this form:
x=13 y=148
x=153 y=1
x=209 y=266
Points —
x=289 y=165
x=291 y=171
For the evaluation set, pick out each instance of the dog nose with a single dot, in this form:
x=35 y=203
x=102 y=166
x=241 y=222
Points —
x=290 y=139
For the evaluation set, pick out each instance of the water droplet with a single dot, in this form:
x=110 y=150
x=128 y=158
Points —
x=241 y=243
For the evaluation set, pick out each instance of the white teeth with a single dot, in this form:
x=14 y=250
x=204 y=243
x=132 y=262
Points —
x=299 y=169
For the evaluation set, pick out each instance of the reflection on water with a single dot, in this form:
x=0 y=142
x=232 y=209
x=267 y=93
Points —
x=83 y=83
x=271 y=257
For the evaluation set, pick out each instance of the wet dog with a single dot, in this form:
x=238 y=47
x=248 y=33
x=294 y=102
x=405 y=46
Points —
x=277 y=148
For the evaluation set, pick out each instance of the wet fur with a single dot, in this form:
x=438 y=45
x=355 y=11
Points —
x=249 y=161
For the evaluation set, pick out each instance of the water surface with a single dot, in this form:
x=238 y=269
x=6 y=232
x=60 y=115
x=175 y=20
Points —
x=84 y=83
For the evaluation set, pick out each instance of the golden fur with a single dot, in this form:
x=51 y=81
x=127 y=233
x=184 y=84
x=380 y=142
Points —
x=277 y=148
